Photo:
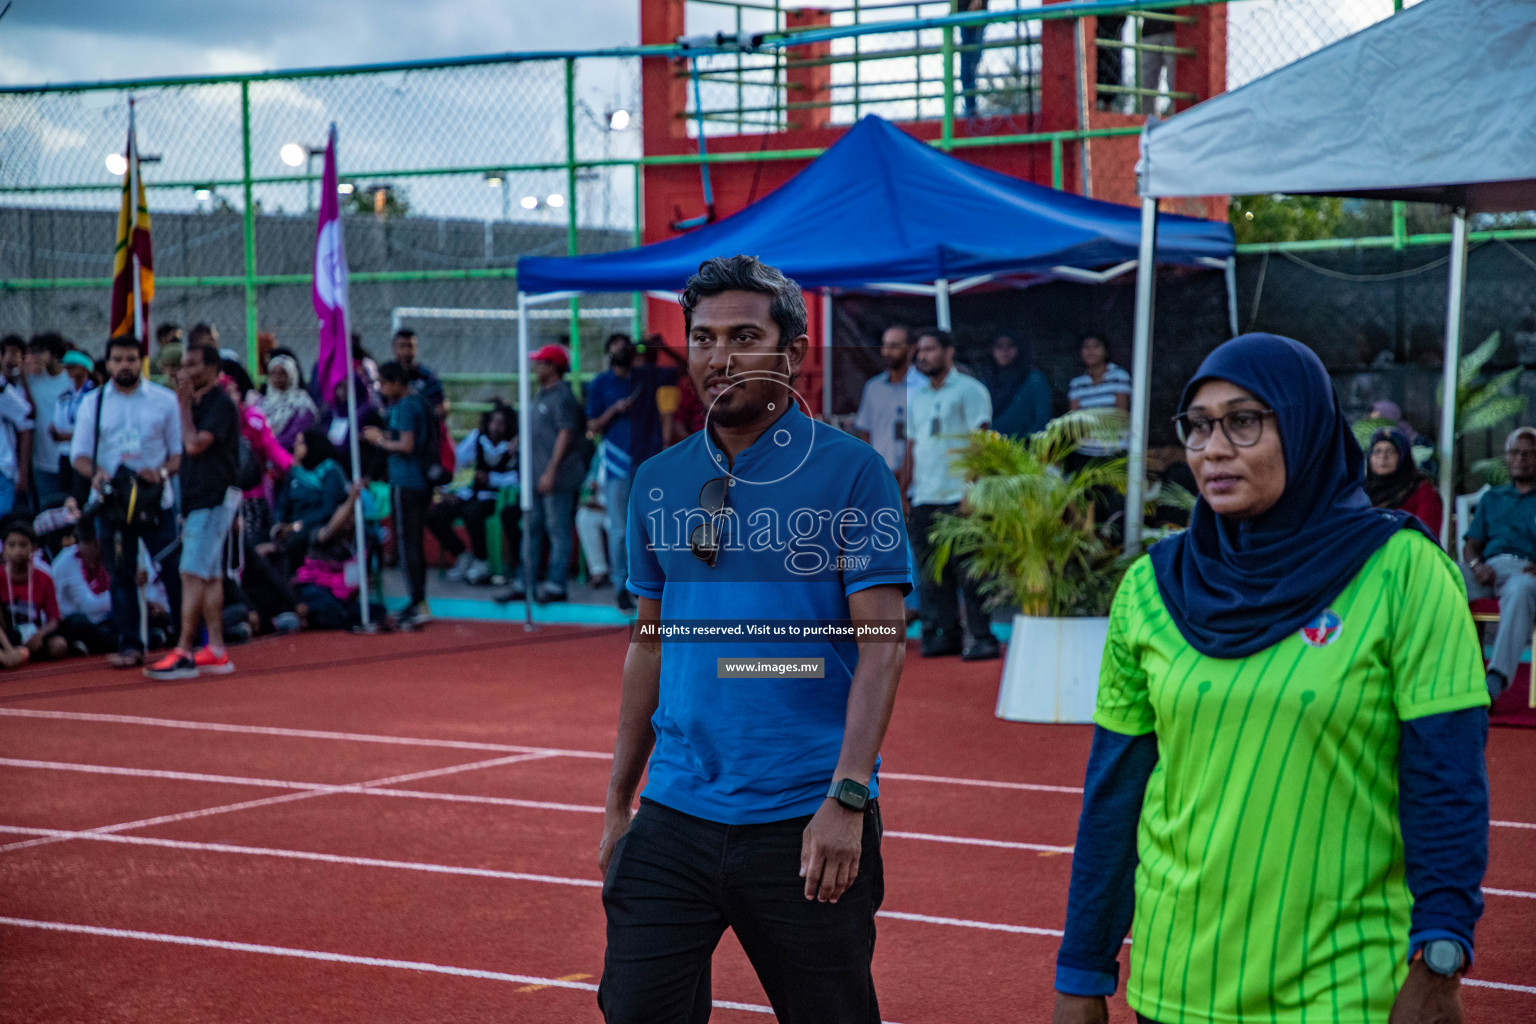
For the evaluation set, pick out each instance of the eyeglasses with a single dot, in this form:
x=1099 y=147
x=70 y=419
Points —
x=704 y=541
x=1242 y=427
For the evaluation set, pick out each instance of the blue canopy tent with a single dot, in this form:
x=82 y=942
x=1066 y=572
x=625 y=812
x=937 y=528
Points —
x=883 y=211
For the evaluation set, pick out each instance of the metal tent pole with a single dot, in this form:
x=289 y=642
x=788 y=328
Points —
x=1231 y=275
x=826 y=354
x=941 y=302
x=1141 y=374
x=525 y=483
x=1454 y=304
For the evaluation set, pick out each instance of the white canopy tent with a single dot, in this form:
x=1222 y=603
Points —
x=1434 y=104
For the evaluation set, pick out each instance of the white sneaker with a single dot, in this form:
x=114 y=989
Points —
x=479 y=572
x=461 y=567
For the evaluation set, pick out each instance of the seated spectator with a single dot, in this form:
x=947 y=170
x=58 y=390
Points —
x=287 y=406
x=84 y=591
x=1500 y=553
x=30 y=600
x=326 y=585
x=334 y=420
x=591 y=521
x=492 y=451
x=314 y=490
x=1392 y=480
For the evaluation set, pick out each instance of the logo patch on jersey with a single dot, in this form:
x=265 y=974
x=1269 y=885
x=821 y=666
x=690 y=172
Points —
x=1324 y=629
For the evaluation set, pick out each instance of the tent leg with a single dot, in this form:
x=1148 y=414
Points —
x=826 y=354
x=941 y=303
x=1447 y=441
x=1141 y=375
x=1231 y=275
x=524 y=453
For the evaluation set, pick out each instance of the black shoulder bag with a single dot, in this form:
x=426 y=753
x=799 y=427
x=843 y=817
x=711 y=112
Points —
x=128 y=501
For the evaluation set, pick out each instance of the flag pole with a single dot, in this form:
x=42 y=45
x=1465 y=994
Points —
x=139 y=326
x=358 y=525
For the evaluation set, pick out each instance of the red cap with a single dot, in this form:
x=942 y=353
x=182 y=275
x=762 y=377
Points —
x=555 y=356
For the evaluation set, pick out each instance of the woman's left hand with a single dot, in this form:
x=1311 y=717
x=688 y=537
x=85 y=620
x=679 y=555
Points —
x=1427 y=998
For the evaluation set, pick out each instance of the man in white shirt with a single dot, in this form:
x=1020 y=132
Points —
x=16 y=425
x=944 y=407
x=882 y=416
x=46 y=381
x=139 y=426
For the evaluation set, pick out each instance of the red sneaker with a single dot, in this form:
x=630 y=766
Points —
x=213 y=664
x=176 y=665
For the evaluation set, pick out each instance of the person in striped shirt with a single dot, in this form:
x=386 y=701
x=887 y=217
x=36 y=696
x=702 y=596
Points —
x=1286 y=791
x=1104 y=386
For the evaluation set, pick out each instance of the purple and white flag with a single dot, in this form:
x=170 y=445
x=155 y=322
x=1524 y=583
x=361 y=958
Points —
x=330 y=291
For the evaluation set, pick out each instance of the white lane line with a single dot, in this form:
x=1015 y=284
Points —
x=960 y=922
x=328 y=787
x=1511 y=892
x=358 y=787
x=336 y=958
x=514 y=876
x=305 y=734
x=324 y=858
x=968 y=841
x=415 y=741
x=1504 y=985
x=1032 y=787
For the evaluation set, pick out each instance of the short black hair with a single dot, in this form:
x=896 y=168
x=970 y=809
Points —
x=16 y=526
x=13 y=341
x=124 y=341
x=238 y=374
x=903 y=328
x=206 y=351
x=939 y=334
x=617 y=336
x=166 y=330
x=393 y=373
x=748 y=274
x=404 y=332
x=201 y=332
x=51 y=342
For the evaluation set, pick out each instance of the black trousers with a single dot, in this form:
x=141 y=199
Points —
x=675 y=884
x=440 y=518
x=411 y=520
x=940 y=607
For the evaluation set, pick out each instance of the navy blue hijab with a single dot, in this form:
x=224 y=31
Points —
x=1235 y=587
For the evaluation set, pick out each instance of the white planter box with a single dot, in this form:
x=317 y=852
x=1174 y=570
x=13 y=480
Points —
x=1051 y=673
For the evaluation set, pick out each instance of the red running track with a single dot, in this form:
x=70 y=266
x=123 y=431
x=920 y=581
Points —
x=404 y=828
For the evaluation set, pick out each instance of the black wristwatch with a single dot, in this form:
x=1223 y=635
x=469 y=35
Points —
x=1444 y=956
x=850 y=794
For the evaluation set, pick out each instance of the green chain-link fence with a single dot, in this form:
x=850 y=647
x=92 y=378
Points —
x=457 y=169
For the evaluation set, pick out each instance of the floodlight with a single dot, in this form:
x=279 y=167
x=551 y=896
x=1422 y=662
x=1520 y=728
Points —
x=293 y=154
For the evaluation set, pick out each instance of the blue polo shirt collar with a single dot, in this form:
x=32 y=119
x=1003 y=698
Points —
x=762 y=452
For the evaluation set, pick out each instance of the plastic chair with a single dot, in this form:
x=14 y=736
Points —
x=493 y=533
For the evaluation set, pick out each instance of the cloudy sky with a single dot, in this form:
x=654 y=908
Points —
x=89 y=40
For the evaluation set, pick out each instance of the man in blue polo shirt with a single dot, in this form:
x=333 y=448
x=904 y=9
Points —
x=778 y=544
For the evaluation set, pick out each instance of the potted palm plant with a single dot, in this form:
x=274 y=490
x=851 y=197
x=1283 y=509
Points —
x=1028 y=531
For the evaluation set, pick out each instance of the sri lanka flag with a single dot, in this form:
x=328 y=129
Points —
x=133 y=274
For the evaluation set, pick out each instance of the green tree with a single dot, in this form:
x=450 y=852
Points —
x=364 y=200
x=1280 y=218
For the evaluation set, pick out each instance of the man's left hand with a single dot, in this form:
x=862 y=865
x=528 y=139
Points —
x=829 y=851
x=547 y=483
x=1427 y=998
